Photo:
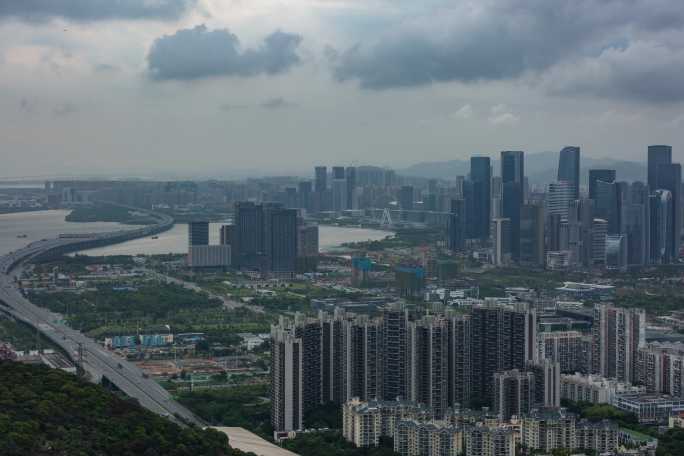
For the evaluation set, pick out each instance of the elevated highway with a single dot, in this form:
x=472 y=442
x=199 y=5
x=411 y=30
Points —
x=95 y=360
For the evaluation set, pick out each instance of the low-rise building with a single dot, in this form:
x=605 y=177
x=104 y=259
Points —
x=549 y=429
x=593 y=389
x=650 y=408
x=434 y=438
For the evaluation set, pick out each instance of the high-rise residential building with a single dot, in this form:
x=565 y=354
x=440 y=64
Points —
x=287 y=408
x=335 y=367
x=559 y=196
x=657 y=155
x=616 y=252
x=350 y=174
x=394 y=348
x=661 y=368
x=428 y=363
x=596 y=175
x=460 y=360
x=513 y=181
x=547 y=376
x=406 y=197
x=480 y=197
x=482 y=440
x=339 y=189
x=513 y=393
x=670 y=178
x=569 y=168
x=457 y=226
x=364 y=352
x=617 y=334
x=660 y=227
x=503 y=338
x=501 y=241
x=198 y=233
x=532 y=235
x=571 y=349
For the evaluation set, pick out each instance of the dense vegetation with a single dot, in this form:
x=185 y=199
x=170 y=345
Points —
x=49 y=412
x=245 y=406
x=333 y=444
x=21 y=336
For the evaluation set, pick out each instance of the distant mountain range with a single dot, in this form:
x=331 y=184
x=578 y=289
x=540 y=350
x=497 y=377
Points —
x=540 y=168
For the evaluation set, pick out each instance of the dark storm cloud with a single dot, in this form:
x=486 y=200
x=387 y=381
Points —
x=92 y=10
x=199 y=53
x=502 y=40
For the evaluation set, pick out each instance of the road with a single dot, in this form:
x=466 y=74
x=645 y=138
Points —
x=96 y=361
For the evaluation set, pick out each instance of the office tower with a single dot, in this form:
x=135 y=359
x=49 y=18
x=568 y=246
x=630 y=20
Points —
x=497 y=197
x=321 y=180
x=616 y=252
x=532 y=235
x=227 y=234
x=483 y=440
x=636 y=225
x=570 y=349
x=365 y=358
x=456 y=226
x=406 y=198
x=617 y=335
x=394 y=368
x=286 y=380
x=569 y=168
x=582 y=242
x=560 y=195
x=670 y=178
x=460 y=363
x=553 y=229
x=513 y=181
x=305 y=195
x=657 y=155
x=481 y=196
x=501 y=241
x=606 y=205
x=350 y=175
x=660 y=230
x=503 y=338
x=339 y=189
x=280 y=230
x=389 y=178
x=428 y=363
x=598 y=241
x=513 y=393
x=248 y=249
x=198 y=233
x=547 y=375
x=596 y=175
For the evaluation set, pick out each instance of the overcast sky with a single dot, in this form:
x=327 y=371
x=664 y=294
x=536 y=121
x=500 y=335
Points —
x=222 y=87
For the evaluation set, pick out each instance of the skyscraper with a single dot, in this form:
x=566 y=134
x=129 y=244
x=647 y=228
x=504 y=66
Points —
x=198 y=233
x=670 y=178
x=394 y=331
x=595 y=175
x=660 y=230
x=481 y=178
x=513 y=178
x=351 y=187
x=321 y=182
x=657 y=155
x=607 y=204
x=513 y=393
x=248 y=249
x=281 y=240
x=339 y=189
x=456 y=226
x=501 y=241
x=636 y=224
x=304 y=195
x=569 y=168
x=406 y=197
x=287 y=412
x=532 y=235
x=559 y=197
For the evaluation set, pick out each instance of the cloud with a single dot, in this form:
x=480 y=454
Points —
x=502 y=115
x=200 y=53
x=277 y=103
x=93 y=10
x=232 y=107
x=494 y=40
x=64 y=109
x=642 y=71
x=464 y=112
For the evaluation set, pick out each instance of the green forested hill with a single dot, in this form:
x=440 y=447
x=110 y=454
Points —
x=49 y=412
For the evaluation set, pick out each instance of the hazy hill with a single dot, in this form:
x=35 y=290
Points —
x=540 y=167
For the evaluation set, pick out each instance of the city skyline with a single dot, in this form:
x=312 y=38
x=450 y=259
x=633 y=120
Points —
x=241 y=87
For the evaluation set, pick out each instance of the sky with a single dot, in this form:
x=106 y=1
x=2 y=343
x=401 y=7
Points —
x=224 y=88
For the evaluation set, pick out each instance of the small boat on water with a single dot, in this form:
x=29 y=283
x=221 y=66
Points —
x=22 y=236
x=155 y=237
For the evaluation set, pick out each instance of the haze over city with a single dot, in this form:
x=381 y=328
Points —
x=214 y=88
